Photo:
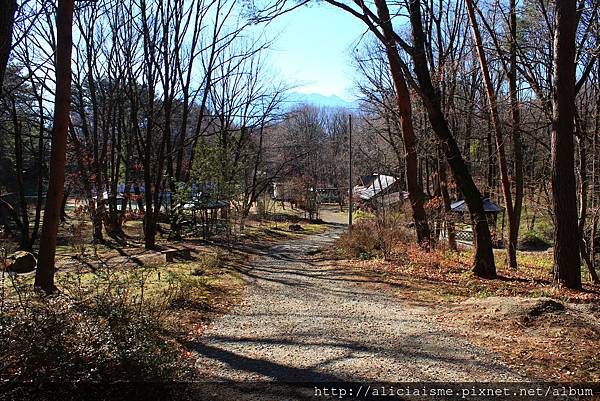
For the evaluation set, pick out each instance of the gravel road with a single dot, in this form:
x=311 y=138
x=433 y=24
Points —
x=302 y=320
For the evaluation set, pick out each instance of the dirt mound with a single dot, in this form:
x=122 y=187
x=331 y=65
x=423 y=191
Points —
x=528 y=312
x=592 y=310
x=546 y=337
x=543 y=306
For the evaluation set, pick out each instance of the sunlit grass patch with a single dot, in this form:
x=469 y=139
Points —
x=277 y=231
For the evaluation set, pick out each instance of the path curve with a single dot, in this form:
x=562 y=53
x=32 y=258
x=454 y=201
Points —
x=303 y=321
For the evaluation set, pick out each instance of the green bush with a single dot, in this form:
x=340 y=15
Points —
x=362 y=215
x=533 y=240
x=208 y=263
x=212 y=261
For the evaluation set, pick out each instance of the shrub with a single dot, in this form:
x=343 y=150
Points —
x=209 y=262
x=361 y=215
x=181 y=290
x=376 y=237
x=533 y=240
x=212 y=261
x=107 y=333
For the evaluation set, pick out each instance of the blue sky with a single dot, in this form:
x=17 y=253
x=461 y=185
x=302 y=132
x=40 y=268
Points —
x=314 y=49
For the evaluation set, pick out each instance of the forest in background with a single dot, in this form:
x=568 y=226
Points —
x=462 y=100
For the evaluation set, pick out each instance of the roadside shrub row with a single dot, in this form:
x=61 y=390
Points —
x=100 y=327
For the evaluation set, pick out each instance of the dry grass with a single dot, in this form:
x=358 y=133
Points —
x=446 y=276
x=547 y=340
x=559 y=346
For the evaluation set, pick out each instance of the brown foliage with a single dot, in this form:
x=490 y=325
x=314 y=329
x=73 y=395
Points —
x=381 y=238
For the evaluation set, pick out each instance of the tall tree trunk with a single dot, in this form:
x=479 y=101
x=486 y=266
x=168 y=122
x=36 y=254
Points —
x=22 y=201
x=44 y=275
x=511 y=251
x=592 y=240
x=40 y=178
x=567 y=263
x=139 y=199
x=415 y=192
x=583 y=201
x=7 y=18
x=149 y=217
x=491 y=170
x=97 y=211
x=450 y=230
x=517 y=146
x=483 y=263
x=127 y=189
x=469 y=127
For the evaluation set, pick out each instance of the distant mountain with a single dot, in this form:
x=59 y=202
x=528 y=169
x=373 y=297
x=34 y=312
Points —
x=317 y=99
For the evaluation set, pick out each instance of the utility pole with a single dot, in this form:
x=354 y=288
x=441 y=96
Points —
x=350 y=195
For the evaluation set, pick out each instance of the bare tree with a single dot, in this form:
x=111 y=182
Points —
x=44 y=276
x=567 y=263
x=8 y=8
x=499 y=136
x=484 y=264
x=415 y=192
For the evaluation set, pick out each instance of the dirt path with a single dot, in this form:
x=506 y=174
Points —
x=302 y=320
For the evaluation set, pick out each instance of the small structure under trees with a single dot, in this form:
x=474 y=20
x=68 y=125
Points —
x=207 y=216
x=492 y=210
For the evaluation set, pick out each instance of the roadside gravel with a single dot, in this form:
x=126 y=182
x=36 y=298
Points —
x=303 y=320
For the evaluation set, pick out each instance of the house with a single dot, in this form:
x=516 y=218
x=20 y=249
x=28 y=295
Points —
x=378 y=190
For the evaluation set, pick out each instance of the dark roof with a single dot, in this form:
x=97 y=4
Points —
x=367 y=180
x=488 y=206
